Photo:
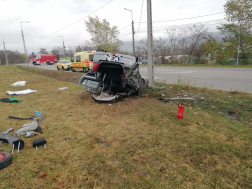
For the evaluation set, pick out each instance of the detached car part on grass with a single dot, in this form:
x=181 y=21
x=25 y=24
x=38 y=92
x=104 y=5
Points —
x=5 y=159
x=113 y=76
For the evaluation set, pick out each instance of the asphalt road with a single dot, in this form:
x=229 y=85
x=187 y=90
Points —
x=217 y=78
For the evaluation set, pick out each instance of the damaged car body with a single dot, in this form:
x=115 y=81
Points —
x=113 y=76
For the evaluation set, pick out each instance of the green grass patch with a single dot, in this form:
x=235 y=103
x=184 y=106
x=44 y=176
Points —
x=148 y=146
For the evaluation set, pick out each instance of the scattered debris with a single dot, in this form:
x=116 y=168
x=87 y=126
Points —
x=12 y=117
x=62 y=184
x=39 y=142
x=23 y=92
x=17 y=142
x=38 y=113
x=160 y=98
x=163 y=95
x=182 y=98
x=5 y=159
x=37 y=171
x=180 y=111
x=10 y=100
x=100 y=141
x=231 y=115
x=42 y=175
x=30 y=126
x=18 y=83
x=67 y=138
x=30 y=134
x=63 y=88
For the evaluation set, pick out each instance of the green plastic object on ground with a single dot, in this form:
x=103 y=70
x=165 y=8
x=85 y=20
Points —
x=10 y=100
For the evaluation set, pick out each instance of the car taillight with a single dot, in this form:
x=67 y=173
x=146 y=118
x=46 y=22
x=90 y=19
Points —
x=95 y=66
x=124 y=75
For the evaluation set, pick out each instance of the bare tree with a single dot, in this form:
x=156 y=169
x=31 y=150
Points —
x=57 y=51
x=172 y=43
x=198 y=35
x=43 y=51
x=183 y=41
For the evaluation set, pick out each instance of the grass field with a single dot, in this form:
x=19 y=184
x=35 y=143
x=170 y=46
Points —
x=148 y=146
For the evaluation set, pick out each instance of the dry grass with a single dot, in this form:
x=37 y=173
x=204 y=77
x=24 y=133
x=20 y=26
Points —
x=148 y=146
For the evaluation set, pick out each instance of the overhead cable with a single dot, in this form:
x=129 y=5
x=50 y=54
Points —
x=78 y=20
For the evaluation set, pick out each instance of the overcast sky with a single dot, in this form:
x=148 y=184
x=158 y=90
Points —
x=48 y=18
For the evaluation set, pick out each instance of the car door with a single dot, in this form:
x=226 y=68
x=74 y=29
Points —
x=59 y=64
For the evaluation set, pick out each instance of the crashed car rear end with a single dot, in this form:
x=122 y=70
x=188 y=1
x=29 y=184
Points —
x=113 y=76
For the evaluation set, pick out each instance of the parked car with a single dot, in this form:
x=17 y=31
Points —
x=113 y=76
x=144 y=61
x=64 y=65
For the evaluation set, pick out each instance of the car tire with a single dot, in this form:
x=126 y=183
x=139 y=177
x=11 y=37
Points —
x=5 y=159
x=73 y=70
x=58 y=68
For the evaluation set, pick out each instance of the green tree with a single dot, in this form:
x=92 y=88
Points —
x=238 y=31
x=103 y=36
x=212 y=50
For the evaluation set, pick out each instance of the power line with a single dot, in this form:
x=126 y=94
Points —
x=186 y=18
x=164 y=29
x=78 y=20
x=140 y=19
x=188 y=24
x=125 y=31
x=125 y=27
x=125 y=35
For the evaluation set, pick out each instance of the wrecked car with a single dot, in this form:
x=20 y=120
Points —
x=113 y=76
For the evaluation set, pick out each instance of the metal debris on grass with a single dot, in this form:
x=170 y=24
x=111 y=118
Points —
x=100 y=141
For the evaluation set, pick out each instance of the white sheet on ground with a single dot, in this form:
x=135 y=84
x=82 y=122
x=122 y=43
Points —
x=23 y=92
x=18 y=83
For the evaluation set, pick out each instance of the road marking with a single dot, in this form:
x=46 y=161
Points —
x=197 y=76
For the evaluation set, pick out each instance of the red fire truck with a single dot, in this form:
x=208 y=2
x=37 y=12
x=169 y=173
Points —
x=49 y=59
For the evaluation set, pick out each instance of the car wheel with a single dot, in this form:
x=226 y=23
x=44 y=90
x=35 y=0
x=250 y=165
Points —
x=58 y=68
x=5 y=159
x=73 y=70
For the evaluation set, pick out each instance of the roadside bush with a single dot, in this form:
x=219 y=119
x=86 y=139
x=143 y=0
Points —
x=192 y=60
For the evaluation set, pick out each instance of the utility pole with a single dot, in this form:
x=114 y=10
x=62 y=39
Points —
x=133 y=31
x=133 y=39
x=238 y=53
x=24 y=41
x=150 y=45
x=63 y=46
x=5 y=53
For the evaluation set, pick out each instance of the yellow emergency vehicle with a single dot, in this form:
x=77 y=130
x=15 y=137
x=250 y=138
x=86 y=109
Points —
x=82 y=61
